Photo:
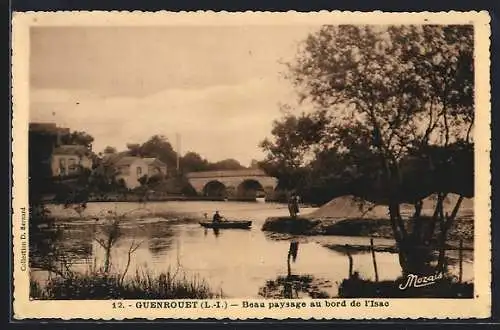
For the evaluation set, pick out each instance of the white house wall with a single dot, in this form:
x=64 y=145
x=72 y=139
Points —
x=84 y=161
x=130 y=176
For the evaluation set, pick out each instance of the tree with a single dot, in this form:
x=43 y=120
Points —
x=225 y=165
x=78 y=138
x=392 y=93
x=295 y=141
x=134 y=149
x=104 y=178
x=110 y=150
x=254 y=164
x=41 y=145
x=193 y=162
x=158 y=146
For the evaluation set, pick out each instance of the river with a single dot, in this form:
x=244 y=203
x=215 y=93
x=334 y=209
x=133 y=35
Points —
x=237 y=263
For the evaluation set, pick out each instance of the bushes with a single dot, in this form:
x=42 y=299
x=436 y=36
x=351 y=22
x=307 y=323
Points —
x=293 y=287
x=356 y=287
x=290 y=225
x=463 y=228
x=141 y=286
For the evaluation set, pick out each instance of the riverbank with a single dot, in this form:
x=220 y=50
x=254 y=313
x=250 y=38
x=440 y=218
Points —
x=350 y=216
x=461 y=229
x=356 y=287
x=171 y=238
x=156 y=197
x=142 y=285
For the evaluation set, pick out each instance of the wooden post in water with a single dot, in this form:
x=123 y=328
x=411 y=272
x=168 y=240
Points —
x=460 y=258
x=350 y=259
x=374 y=259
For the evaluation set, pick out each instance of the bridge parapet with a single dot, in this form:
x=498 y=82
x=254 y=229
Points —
x=229 y=173
x=232 y=181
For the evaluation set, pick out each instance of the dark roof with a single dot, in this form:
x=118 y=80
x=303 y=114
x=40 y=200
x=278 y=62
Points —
x=123 y=159
x=155 y=161
x=126 y=160
x=48 y=128
x=113 y=157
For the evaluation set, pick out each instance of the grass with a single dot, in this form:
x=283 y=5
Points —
x=143 y=285
x=447 y=287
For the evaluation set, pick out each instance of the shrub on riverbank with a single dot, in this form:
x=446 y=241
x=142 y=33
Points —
x=141 y=286
x=356 y=287
x=462 y=228
x=299 y=225
x=294 y=287
x=346 y=227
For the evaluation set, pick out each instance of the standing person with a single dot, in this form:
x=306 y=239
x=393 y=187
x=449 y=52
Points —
x=290 y=207
x=293 y=205
x=296 y=199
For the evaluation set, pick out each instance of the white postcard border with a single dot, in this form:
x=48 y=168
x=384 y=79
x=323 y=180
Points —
x=412 y=308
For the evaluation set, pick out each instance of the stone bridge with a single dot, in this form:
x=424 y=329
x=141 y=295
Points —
x=247 y=184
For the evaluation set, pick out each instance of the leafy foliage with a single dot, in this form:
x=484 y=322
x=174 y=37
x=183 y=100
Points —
x=193 y=162
x=397 y=111
x=78 y=138
x=295 y=140
x=226 y=164
x=395 y=87
x=110 y=150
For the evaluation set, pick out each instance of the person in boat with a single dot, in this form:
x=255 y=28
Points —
x=217 y=217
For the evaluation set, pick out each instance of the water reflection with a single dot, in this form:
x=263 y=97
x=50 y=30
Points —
x=404 y=287
x=160 y=237
x=215 y=231
x=447 y=285
x=241 y=263
x=294 y=286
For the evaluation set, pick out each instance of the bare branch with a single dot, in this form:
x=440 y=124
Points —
x=101 y=242
x=133 y=247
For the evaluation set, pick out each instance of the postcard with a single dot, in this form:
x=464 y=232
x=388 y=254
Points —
x=192 y=165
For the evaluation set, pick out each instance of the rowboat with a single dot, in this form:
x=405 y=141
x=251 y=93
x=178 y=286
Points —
x=227 y=224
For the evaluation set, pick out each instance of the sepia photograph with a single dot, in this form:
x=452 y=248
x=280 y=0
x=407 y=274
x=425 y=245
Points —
x=262 y=162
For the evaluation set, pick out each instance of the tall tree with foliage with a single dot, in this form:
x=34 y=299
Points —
x=226 y=165
x=110 y=150
x=397 y=96
x=193 y=162
x=156 y=146
x=78 y=138
x=295 y=140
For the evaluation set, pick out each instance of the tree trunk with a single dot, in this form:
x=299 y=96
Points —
x=107 y=258
x=400 y=241
x=438 y=211
x=446 y=223
x=417 y=223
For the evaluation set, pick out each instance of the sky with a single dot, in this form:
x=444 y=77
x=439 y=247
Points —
x=219 y=88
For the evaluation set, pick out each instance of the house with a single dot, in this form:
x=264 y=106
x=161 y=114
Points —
x=43 y=139
x=156 y=167
x=70 y=159
x=131 y=168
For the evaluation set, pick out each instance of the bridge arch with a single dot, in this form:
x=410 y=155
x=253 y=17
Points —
x=237 y=184
x=250 y=188
x=214 y=188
